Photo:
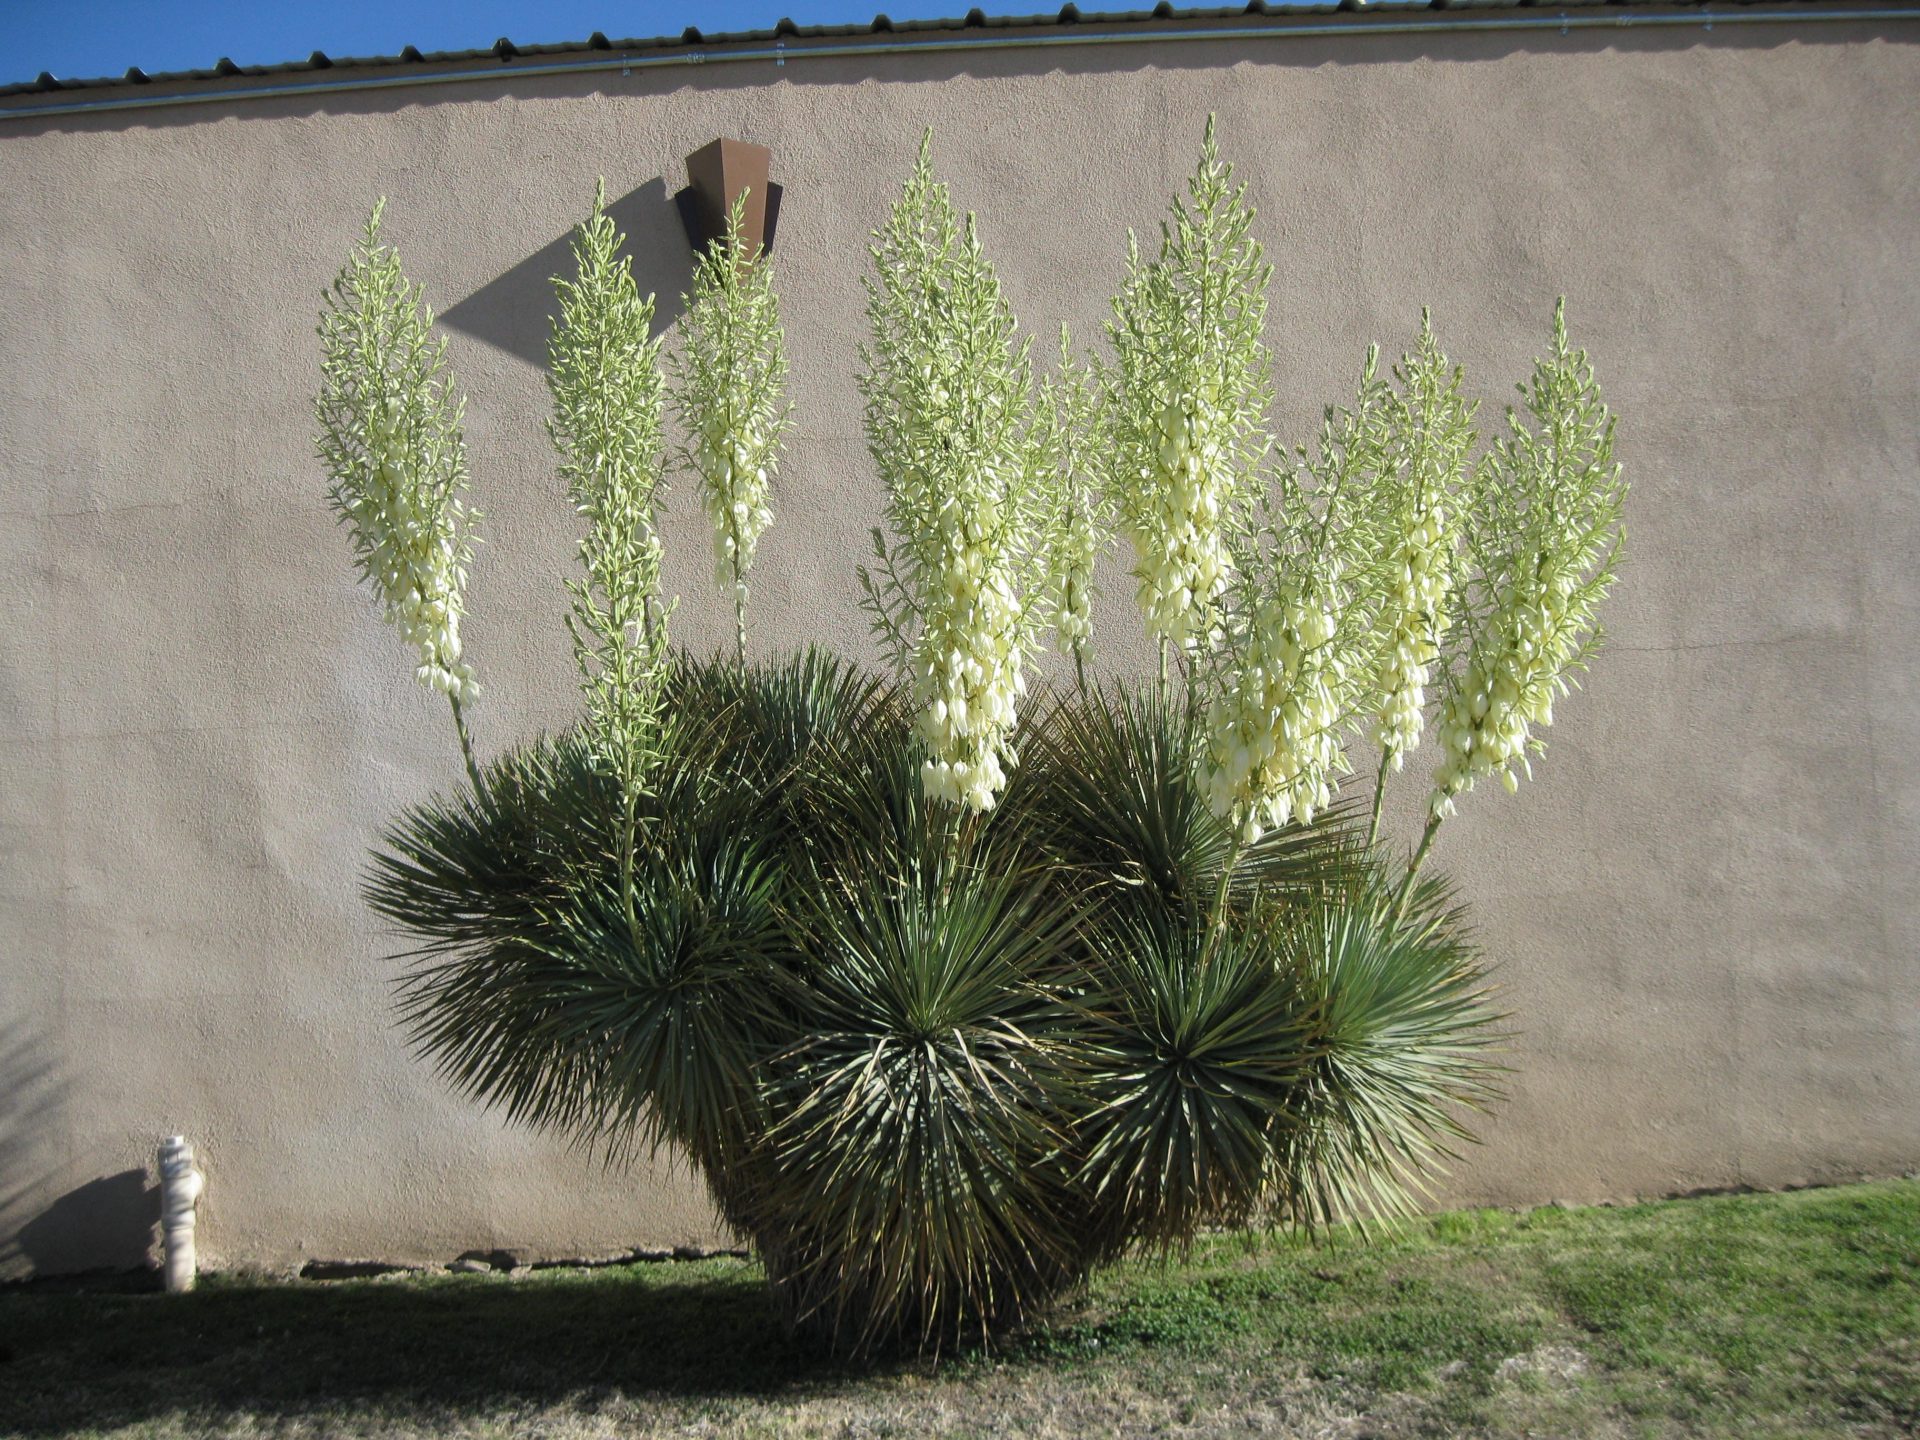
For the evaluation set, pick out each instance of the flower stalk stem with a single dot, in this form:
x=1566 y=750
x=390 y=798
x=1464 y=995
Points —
x=1218 y=914
x=739 y=615
x=628 y=829
x=466 y=747
x=1379 y=794
x=1413 y=868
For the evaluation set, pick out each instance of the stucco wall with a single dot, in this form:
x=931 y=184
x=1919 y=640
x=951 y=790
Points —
x=1705 y=908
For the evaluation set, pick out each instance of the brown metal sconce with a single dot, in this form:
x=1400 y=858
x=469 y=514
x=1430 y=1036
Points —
x=717 y=173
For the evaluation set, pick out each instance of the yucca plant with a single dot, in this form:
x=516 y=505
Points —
x=939 y=1040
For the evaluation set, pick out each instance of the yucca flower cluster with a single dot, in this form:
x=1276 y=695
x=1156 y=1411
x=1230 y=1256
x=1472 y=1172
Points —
x=1505 y=692
x=967 y=680
x=390 y=437
x=734 y=492
x=1433 y=439
x=1182 y=560
x=604 y=377
x=1545 y=523
x=1415 y=628
x=413 y=553
x=1082 y=515
x=949 y=420
x=1079 y=548
x=1293 y=664
x=1274 y=747
x=730 y=369
x=1187 y=398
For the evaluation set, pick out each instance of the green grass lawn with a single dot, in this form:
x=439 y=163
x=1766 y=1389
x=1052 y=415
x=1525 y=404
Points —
x=1756 y=1316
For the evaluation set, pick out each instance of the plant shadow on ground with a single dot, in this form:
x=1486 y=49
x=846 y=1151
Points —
x=400 y=1344
x=1750 y=1316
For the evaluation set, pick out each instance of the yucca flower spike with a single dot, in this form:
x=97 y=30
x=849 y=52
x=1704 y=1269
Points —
x=1545 y=529
x=1432 y=442
x=730 y=371
x=1186 y=402
x=391 y=439
x=1082 y=514
x=958 y=596
x=1292 y=668
x=604 y=377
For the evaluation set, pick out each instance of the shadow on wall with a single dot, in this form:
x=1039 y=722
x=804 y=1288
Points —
x=106 y=1224
x=515 y=312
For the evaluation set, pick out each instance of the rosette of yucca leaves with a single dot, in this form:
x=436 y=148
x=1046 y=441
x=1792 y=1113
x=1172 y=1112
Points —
x=461 y=873
x=1405 y=1049
x=1110 y=792
x=1192 y=1053
x=392 y=443
x=912 y=1161
x=534 y=990
x=785 y=728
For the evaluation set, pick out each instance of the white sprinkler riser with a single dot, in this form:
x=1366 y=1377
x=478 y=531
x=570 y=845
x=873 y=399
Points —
x=180 y=1188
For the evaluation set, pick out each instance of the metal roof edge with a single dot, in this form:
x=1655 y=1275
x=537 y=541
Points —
x=880 y=30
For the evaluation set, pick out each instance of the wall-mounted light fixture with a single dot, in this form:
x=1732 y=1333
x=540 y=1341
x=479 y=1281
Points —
x=716 y=174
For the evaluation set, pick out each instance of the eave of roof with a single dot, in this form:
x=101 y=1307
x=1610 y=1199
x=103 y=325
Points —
x=508 y=53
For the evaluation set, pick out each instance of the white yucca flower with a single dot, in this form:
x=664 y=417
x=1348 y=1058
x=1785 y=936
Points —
x=949 y=421
x=730 y=371
x=1292 y=667
x=1418 y=508
x=604 y=377
x=1546 y=528
x=390 y=437
x=1186 y=401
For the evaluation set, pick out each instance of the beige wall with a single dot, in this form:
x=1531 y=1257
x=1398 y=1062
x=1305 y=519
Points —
x=1705 y=909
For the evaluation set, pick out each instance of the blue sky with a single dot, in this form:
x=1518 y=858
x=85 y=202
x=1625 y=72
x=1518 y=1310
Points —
x=79 y=39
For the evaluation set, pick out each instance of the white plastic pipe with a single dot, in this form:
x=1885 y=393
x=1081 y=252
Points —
x=180 y=1187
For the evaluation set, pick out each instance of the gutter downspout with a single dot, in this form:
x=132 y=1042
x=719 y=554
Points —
x=781 y=53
